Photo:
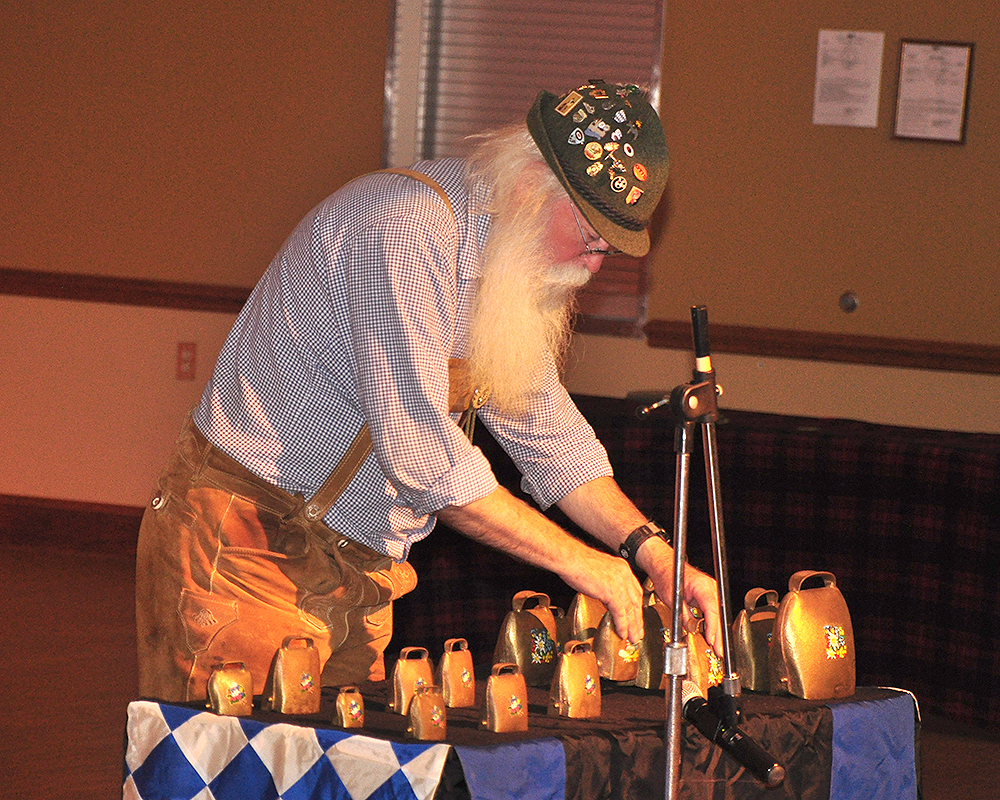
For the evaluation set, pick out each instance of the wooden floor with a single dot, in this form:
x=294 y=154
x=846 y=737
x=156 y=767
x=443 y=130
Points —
x=69 y=664
x=69 y=668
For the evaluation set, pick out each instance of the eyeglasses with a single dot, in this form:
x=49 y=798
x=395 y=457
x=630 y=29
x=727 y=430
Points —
x=592 y=251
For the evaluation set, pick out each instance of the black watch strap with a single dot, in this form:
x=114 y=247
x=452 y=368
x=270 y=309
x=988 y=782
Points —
x=630 y=546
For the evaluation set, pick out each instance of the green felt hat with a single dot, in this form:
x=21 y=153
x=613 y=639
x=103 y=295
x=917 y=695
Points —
x=606 y=145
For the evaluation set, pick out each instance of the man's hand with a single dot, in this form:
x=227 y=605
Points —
x=601 y=508
x=610 y=579
x=656 y=557
x=502 y=521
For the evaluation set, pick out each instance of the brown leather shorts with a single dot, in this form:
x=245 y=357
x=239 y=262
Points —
x=228 y=567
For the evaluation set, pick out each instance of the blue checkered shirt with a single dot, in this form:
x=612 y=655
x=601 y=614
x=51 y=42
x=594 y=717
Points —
x=355 y=320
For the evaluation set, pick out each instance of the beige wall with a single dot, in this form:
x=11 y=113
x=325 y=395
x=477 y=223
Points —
x=612 y=367
x=180 y=141
x=771 y=218
x=91 y=404
x=190 y=151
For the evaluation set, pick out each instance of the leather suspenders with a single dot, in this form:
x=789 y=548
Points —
x=342 y=475
x=427 y=181
x=460 y=399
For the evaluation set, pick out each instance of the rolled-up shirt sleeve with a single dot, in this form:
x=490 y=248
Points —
x=552 y=444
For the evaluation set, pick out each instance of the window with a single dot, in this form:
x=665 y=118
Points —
x=461 y=66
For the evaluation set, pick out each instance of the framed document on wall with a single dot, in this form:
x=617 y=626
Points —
x=932 y=99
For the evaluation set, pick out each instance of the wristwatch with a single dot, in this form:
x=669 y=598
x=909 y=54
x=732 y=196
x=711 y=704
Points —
x=630 y=546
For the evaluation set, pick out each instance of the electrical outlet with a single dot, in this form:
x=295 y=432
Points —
x=187 y=361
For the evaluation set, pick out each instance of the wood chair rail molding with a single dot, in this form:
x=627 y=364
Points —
x=839 y=347
x=123 y=291
x=670 y=334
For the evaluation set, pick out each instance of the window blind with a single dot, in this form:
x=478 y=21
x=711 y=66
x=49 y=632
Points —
x=482 y=62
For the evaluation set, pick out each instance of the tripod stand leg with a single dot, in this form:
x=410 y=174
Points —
x=730 y=679
x=675 y=663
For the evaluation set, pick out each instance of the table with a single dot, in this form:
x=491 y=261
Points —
x=864 y=747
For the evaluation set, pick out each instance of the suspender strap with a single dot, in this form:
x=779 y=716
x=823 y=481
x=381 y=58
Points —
x=342 y=475
x=427 y=181
x=460 y=396
x=460 y=392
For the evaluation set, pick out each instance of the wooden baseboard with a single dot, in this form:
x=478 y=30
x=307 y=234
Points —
x=69 y=525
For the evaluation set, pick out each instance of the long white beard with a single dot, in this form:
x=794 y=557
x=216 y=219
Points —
x=522 y=317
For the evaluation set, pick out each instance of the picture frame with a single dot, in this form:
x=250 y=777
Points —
x=932 y=94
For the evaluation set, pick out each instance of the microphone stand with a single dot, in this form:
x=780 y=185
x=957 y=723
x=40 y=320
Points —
x=695 y=403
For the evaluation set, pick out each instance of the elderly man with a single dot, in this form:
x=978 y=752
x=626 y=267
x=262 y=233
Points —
x=330 y=436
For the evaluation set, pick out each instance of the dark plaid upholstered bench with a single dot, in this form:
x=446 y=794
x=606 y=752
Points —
x=908 y=520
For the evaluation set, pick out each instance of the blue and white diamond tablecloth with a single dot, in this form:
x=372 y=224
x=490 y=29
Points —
x=184 y=754
x=858 y=749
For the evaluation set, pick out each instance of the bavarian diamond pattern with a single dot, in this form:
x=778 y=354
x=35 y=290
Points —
x=184 y=754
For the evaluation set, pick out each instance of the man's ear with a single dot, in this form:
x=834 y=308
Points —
x=538 y=187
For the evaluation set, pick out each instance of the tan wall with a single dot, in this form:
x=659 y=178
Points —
x=771 y=218
x=180 y=141
x=184 y=145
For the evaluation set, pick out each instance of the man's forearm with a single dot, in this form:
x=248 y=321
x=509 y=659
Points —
x=601 y=508
x=503 y=521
